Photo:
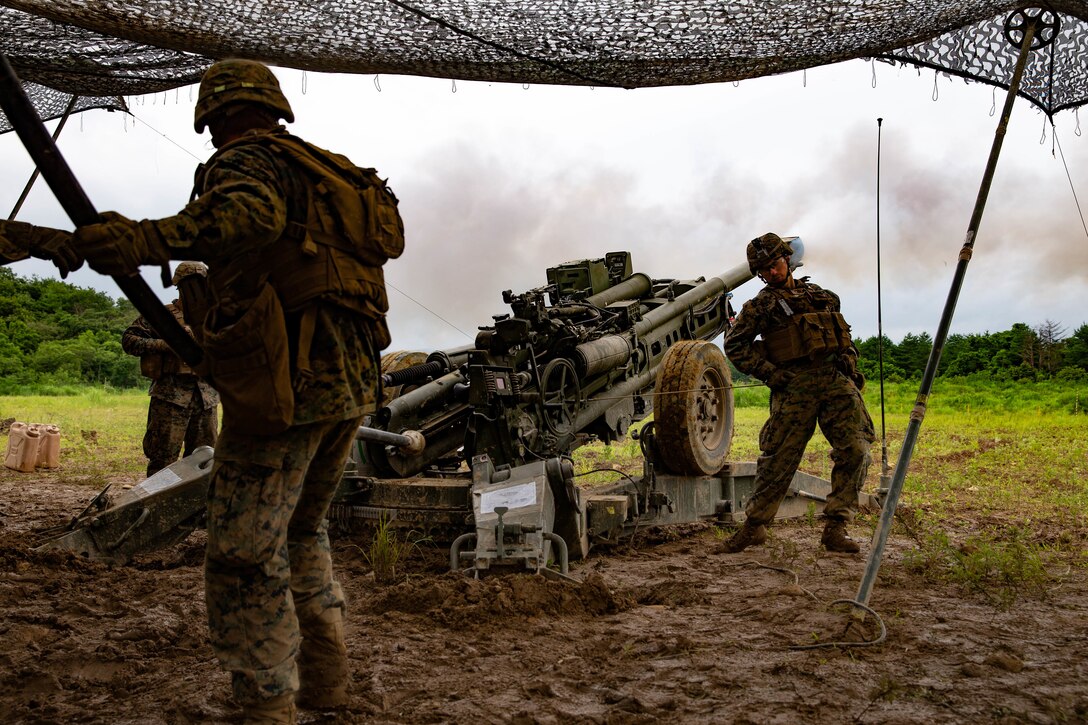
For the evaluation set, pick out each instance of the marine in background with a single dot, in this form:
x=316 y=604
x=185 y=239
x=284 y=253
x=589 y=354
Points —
x=183 y=409
x=806 y=356
x=19 y=240
x=295 y=238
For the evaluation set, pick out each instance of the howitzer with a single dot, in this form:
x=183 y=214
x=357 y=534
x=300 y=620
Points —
x=473 y=443
x=575 y=360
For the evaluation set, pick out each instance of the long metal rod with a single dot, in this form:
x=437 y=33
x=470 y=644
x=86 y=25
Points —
x=887 y=513
x=884 y=467
x=32 y=132
x=34 y=175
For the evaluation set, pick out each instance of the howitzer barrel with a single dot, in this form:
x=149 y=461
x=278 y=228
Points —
x=631 y=288
x=679 y=306
x=726 y=282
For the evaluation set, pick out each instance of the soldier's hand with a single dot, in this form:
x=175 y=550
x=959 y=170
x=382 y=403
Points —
x=858 y=380
x=56 y=246
x=780 y=379
x=119 y=245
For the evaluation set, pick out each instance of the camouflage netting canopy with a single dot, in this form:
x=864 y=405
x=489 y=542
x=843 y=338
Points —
x=101 y=50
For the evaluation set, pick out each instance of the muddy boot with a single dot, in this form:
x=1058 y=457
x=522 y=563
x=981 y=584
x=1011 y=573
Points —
x=747 y=535
x=835 y=538
x=324 y=675
x=276 y=711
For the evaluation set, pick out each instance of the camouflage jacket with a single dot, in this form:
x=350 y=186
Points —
x=240 y=209
x=175 y=382
x=765 y=313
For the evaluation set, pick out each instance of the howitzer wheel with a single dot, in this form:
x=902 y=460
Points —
x=561 y=395
x=399 y=360
x=693 y=408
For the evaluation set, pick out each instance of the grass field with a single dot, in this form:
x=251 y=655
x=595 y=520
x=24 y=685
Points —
x=1003 y=462
x=101 y=429
x=995 y=464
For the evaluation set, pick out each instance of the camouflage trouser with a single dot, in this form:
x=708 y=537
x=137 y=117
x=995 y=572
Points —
x=268 y=563
x=170 y=425
x=823 y=396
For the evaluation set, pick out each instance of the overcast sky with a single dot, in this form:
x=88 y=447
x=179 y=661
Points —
x=498 y=182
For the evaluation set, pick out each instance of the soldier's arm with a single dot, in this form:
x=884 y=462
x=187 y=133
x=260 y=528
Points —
x=243 y=208
x=739 y=343
x=141 y=339
x=19 y=240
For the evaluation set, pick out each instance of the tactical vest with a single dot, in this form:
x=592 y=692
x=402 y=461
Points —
x=813 y=330
x=343 y=225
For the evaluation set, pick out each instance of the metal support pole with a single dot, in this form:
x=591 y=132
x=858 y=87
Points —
x=34 y=176
x=24 y=119
x=887 y=513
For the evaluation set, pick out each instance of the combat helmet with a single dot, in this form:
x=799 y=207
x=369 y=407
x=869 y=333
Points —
x=188 y=269
x=230 y=81
x=764 y=250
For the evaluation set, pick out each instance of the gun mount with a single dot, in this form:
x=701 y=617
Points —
x=473 y=443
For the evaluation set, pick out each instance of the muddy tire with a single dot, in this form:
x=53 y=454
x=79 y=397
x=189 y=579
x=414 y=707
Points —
x=693 y=408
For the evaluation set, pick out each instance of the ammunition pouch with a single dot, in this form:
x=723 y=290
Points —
x=151 y=366
x=248 y=361
x=379 y=336
x=809 y=335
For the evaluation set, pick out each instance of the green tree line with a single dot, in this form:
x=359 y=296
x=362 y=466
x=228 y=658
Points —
x=55 y=333
x=1028 y=353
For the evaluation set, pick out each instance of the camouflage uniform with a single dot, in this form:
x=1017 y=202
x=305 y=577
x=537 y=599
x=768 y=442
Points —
x=268 y=559
x=277 y=246
x=183 y=408
x=819 y=393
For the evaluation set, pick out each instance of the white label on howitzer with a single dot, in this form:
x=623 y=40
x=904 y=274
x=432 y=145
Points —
x=159 y=481
x=514 y=497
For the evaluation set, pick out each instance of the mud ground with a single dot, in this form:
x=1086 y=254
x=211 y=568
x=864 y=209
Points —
x=660 y=630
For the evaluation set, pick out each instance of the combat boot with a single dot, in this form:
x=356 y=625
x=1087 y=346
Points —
x=835 y=538
x=747 y=535
x=324 y=675
x=278 y=710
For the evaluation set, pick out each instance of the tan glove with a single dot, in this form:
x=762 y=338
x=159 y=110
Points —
x=56 y=246
x=118 y=245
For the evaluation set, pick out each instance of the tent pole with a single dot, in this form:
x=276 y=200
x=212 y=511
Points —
x=887 y=513
x=34 y=175
x=47 y=157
